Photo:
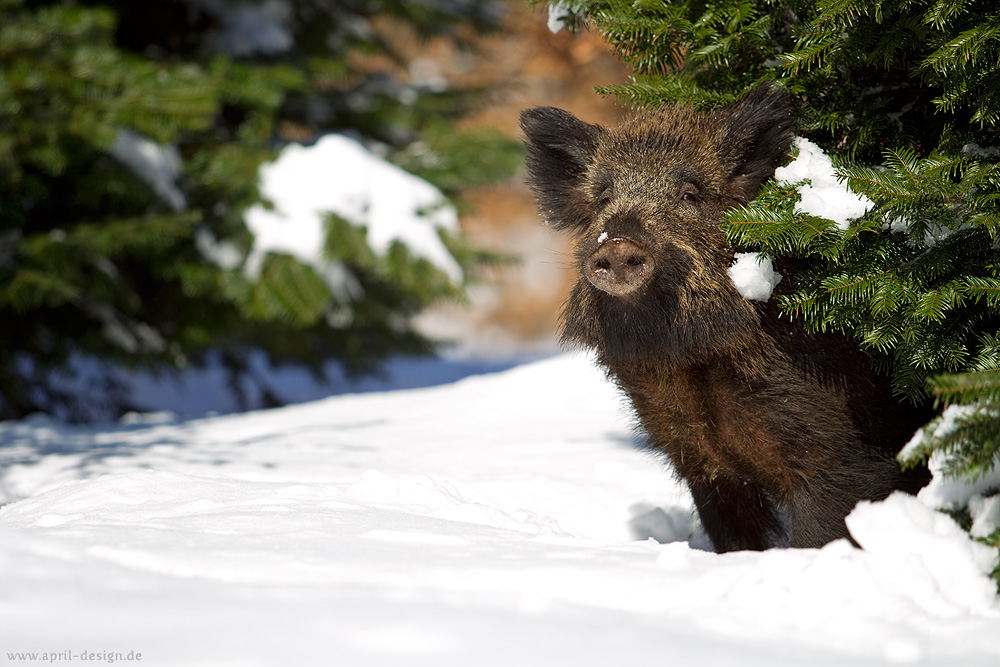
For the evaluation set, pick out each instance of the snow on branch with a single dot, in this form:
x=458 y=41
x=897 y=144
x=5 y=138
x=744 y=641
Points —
x=339 y=175
x=158 y=166
x=822 y=193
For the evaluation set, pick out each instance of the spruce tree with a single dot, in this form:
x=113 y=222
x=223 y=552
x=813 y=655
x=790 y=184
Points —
x=131 y=137
x=904 y=96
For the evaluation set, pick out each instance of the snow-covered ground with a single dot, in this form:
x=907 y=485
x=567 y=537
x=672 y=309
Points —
x=501 y=520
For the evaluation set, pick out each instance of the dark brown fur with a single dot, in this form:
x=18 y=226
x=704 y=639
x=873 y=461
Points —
x=777 y=433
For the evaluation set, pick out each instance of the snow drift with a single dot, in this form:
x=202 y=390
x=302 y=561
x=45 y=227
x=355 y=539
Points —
x=500 y=520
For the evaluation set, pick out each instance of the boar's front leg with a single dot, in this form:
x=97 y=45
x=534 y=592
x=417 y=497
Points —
x=738 y=515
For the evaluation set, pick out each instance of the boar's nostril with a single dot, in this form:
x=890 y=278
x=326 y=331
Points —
x=619 y=267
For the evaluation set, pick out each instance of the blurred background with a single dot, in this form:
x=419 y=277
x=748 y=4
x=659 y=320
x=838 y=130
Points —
x=527 y=65
x=215 y=205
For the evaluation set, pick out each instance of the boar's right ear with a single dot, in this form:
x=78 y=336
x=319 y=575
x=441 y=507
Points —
x=559 y=146
x=757 y=132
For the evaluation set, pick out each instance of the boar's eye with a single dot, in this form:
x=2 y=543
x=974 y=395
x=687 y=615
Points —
x=690 y=194
x=604 y=198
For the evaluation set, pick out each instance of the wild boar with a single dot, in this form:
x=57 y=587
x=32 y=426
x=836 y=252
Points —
x=778 y=433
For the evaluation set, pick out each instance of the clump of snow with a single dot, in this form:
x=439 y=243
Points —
x=948 y=420
x=489 y=522
x=754 y=276
x=975 y=150
x=980 y=496
x=159 y=166
x=224 y=254
x=821 y=194
x=558 y=13
x=985 y=513
x=339 y=175
x=944 y=492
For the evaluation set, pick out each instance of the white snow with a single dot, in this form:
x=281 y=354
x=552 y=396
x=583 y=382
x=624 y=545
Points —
x=494 y=521
x=947 y=423
x=949 y=494
x=819 y=191
x=975 y=150
x=224 y=254
x=754 y=276
x=159 y=166
x=558 y=13
x=339 y=175
x=945 y=568
x=945 y=493
x=985 y=513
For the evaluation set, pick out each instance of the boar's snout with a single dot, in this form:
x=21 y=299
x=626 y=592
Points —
x=619 y=266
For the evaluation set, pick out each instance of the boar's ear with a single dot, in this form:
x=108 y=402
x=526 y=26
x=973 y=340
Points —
x=559 y=147
x=756 y=134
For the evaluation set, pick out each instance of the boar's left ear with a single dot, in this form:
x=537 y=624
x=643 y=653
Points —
x=559 y=146
x=756 y=132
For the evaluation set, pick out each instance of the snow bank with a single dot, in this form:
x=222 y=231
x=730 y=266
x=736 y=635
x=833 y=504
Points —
x=338 y=175
x=944 y=568
x=819 y=190
x=497 y=521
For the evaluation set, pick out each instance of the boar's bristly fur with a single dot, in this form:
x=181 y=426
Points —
x=778 y=433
